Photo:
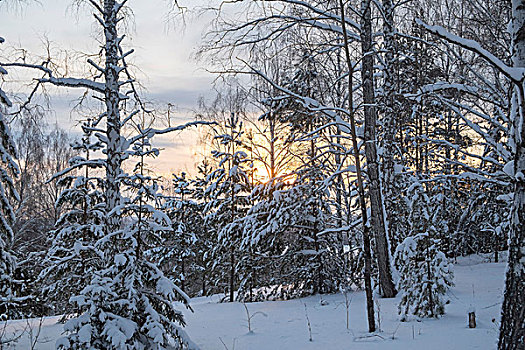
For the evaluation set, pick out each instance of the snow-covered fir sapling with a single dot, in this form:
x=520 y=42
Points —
x=72 y=258
x=205 y=239
x=179 y=248
x=424 y=271
x=228 y=189
x=129 y=303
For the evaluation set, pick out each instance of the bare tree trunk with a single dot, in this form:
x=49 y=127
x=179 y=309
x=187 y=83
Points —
x=512 y=330
x=112 y=100
x=360 y=186
x=272 y=173
x=232 y=273
x=183 y=244
x=233 y=213
x=390 y=115
x=204 y=290
x=377 y=219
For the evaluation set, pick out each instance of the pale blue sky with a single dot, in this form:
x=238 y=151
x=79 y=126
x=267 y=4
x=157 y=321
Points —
x=163 y=51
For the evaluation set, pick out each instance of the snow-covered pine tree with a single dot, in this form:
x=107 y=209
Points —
x=290 y=222
x=318 y=268
x=177 y=254
x=314 y=265
x=8 y=193
x=271 y=152
x=129 y=303
x=289 y=229
x=72 y=259
x=205 y=242
x=425 y=274
x=41 y=154
x=261 y=235
x=228 y=191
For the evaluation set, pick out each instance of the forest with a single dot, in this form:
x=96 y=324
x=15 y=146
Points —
x=349 y=147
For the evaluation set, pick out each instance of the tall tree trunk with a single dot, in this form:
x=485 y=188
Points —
x=512 y=330
x=112 y=100
x=233 y=210
x=336 y=140
x=183 y=246
x=272 y=173
x=232 y=273
x=389 y=118
x=204 y=290
x=377 y=218
x=360 y=187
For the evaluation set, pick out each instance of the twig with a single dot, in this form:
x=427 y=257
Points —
x=395 y=331
x=348 y=301
x=378 y=304
x=369 y=336
x=249 y=317
x=225 y=346
x=34 y=337
x=308 y=321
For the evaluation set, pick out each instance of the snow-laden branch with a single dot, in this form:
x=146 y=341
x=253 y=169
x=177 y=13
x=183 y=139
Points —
x=65 y=81
x=309 y=103
x=151 y=132
x=516 y=74
x=75 y=83
x=77 y=164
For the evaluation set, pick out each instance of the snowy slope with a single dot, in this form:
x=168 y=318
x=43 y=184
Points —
x=283 y=324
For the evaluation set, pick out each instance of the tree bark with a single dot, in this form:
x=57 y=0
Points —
x=386 y=285
x=389 y=118
x=472 y=319
x=360 y=187
x=112 y=100
x=512 y=330
x=232 y=273
x=233 y=209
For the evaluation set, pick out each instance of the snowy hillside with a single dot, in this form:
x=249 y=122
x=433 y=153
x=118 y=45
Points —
x=283 y=324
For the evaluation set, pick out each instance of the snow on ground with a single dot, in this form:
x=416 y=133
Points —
x=283 y=324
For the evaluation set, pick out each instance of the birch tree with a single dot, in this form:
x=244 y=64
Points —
x=512 y=330
x=377 y=218
x=512 y=327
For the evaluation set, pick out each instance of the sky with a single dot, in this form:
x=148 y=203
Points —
x=164 y=48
